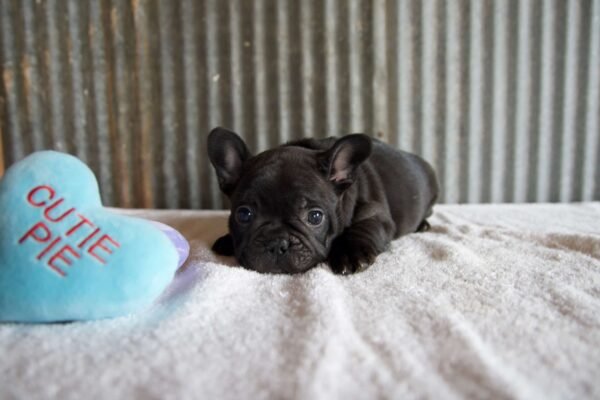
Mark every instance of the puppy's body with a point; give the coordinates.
(366, 192)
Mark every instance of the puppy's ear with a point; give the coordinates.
(342, 159)
(227, 152)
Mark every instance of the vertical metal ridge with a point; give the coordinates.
(13, 143)
(331, 69)
(283, 71)
(454, 100)
(476, 103)
(547, 102)
(429, 77)
(212, 77)
(391, 47)
(249, 118)
(534, 100)
(31, 70)
(523, 102)
(571, 93)
(272, 53)
(192, 127)
(394, 46)
(103, 116)
(133, 125)
(343, 69)
(21, 81)
(238, 42)
(145, 182)
(550, 110)
(55, 65)
(581, 110)
(591, 172)
(41, 34)
(169, 51)
(320, 105)
(514, 20)
(367, 10)
(80, 92)
(489, 65)
(203, 107)
(123, 102)
(106, 22)
(181, 84)
(465, 85)
(260, 83)
(307, 67)
(355, 56)
(380, 73)
(441, 83)
(224, 52)
(91, 134)
(558, 106)
(294, 27)
(408, 61)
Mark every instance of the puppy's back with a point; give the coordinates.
(410, 184)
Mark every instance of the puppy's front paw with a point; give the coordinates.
(350, 254)
(424, 227)
(224, 246)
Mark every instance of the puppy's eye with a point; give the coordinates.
(315, 217)
(244, 215)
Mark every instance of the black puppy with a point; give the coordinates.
(340, 201)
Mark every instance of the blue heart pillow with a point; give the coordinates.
(63, 256)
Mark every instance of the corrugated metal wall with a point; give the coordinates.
(502, 96)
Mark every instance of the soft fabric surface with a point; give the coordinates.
(495, 302)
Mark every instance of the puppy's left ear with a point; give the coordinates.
(342, 159)
(227, 152)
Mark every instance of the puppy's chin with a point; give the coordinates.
(288, 264)
(302, 251)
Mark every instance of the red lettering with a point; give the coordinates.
(47, 249)
(91, 235)
(60, 255)
(37, 189)
(83, 221)
(103, 247)
(33, 232)
(52, 207)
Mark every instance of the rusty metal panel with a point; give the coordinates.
(503, 96)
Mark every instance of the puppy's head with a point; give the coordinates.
(286, 202)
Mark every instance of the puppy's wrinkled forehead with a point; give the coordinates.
(283, 175)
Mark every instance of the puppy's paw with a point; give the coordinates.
(351, 254)
(424, 227)
(224, 246)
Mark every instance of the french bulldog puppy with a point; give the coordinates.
(336, 200)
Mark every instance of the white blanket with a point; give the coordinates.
(497, 301)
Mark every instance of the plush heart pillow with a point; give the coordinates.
(63, 256)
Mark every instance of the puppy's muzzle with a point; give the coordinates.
(278, 246)
(276, 250)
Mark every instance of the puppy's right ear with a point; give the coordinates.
(343, 158)
(227, 152)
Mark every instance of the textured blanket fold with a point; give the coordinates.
(496, 301)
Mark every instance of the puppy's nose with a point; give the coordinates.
(278, 246)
